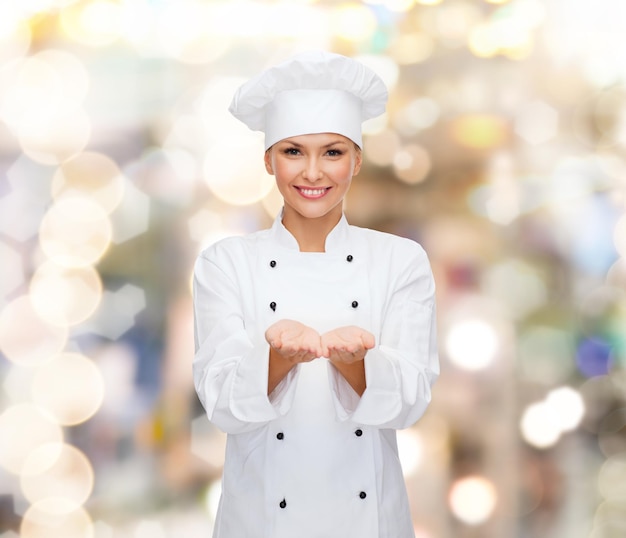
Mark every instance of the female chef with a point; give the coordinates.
(315, 340)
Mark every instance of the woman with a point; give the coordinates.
(315, 340)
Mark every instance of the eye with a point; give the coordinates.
(291, 151)
(334, 152)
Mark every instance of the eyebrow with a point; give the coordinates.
(296, 144)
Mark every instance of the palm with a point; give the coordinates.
(294, 341)
(347, 344)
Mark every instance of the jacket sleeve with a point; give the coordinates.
(402, 368)
(230, 369)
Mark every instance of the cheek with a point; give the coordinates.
(343, 172)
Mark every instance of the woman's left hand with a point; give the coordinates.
(347, 344)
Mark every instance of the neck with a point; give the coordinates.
(310, 233)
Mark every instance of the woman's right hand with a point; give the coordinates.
(293, 341)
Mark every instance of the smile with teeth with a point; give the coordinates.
(313, 193)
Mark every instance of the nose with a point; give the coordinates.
(312, 170)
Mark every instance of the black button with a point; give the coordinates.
(362, 495)
(349, 258)
(283, 503)
(355, 304)
(280, 436)
(273, 263)
(358, 432)
(273, 306)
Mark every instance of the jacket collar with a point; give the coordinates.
(336, 240)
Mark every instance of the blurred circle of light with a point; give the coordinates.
(479, 131)
(380, 148)
(273, 202)
(15, 34)
(26, 427)
(57, 471)
(384, 66)
(375, 125)
(183, 164)
(411, 48)
(202, 222)
(155, 175)
(412, 164)
(482, 41)
(25, 338)
(419, 114)
(540, 425)
(455, 21)
(472, 344)
(30, 88)
(545, 353)
(63, 296)
(70, 387)
(95, 23)
(536, 122)
(283, 19)
(619, 236)
(396, 5)
(428, 2)
(56, 136)
(73, 75)
(472, 499)
(90, 174)
(235, 172)
(353, 22)
(616, 275)
(184, 34)
(568, 406)
(612, 478)
(11, 272)
(75, 232)
(516, 284)
(594, 357)
(214, 121)
(54, 518)
(410, 450)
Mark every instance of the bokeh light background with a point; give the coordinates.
(503, 151)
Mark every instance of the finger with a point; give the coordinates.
(368, 341)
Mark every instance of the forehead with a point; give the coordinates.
(316, 139)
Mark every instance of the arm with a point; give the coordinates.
(291, 343)
(230, 370)
(402, 367)
(346, 348)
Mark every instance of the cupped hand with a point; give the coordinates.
(294, 341)
(347, 344)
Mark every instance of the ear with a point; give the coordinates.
(268, 162)
(358, 162)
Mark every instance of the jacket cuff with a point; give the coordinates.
(249, 400)
(382, 399)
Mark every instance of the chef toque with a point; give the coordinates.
(312, 92)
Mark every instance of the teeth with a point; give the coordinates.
(313, 192)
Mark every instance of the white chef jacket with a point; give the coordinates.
(313, 460)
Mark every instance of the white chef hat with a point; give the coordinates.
(312, 92)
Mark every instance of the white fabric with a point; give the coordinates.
(312, 92)
(320, 466)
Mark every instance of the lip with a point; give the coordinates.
(313, 193)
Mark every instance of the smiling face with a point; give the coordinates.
(313, 173)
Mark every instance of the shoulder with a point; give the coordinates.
(385, 244)
(233, 248)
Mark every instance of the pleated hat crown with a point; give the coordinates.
(312, 92)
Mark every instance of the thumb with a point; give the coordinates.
(368, 340)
